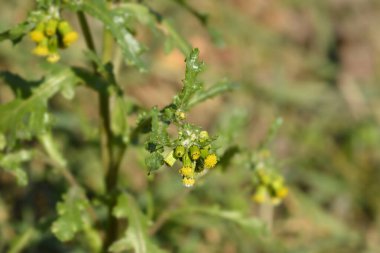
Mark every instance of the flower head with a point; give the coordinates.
(188, 181)
(210, 161)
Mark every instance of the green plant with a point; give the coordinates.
(110, 218)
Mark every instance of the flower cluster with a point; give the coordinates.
(194, 151)
(50, 35)
(270, 186)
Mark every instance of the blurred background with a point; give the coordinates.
(313, 63)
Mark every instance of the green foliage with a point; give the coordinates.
(26, 117)
(12, 162)
(72, 215)
(77, 151)
(136, 236)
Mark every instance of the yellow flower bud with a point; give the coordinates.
(179, 151)
(203, 136)
(195, 153)
(51, 27)
(210, 161)
(69, 38)
(41, 50)
(261, 195)
(188, 181)
(186, 171)
(53, 57)
(282, 192)
(36, 36)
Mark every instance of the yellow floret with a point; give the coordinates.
(282, 192)
(54, 57)
(41, 50)
(261, 195)
(69, 38)
(188, 181)
(36, 36)
(186, 171)
(210, 161)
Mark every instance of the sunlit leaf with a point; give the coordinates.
(113, 22)
(24, 118)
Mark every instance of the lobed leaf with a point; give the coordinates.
(11, 162)
(130, 47)
(191, 85)
(27, 116)
(136, 237)
(72, 215)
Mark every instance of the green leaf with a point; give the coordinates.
(72, 215)
(136, 237)
(25, 118)
(154, 161)
(252, 224)
(16, 33)
(139, 12)
(11, 162)
(174, 39)
(119, 117)
(130, 47)
(190, 85)
(215, 90)
(158, 137)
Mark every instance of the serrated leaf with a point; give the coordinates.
(72, 215)
(158, 137)
(154, 161)
(130, 47)
(190, 85)
(24, 118)
(136, 236)
(12, 163)
(216, 89)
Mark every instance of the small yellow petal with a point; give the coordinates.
(41, 51)
(69, 38)
(210, 161)
(186, 171)
(52, 58)
(36, 36)
(188, 181)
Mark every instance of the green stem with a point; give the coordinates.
(86, 31)
(23, 241)
(112, 150)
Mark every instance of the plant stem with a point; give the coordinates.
(112, 149)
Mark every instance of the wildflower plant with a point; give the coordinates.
(27, 123)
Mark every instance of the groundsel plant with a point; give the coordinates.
(26, 123)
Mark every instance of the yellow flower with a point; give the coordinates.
(195, 152)
(36, 36)
(210, 161)
(261, 195)
(54, 57)
(51, 27)
(41, 50)
(186, 171)
(69, 38)
(282, 192)
(188, 181)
